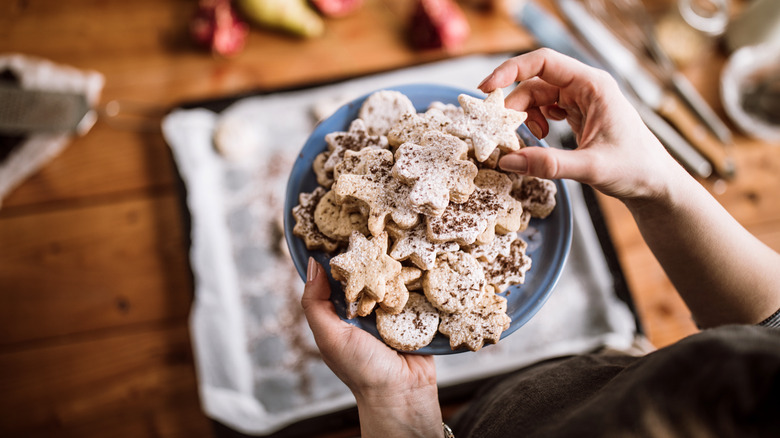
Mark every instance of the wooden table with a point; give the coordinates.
(95, 285)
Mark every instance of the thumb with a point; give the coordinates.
(549, 163)
(317, 308)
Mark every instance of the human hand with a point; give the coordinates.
(396, 393)
(616, 153)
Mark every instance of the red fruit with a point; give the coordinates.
(336, 8)
(217, 26)
(438, 24)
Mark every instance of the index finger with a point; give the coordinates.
(552, 67)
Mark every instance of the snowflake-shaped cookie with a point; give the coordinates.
(355, 139)
(305, 227)
(455, 283)
(370, 181)
(537, 195)
(479, 325)
(488, 124)
(437, 170)
(413, 244)
(365, 267)
(510, 269)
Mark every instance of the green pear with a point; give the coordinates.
(293, 16)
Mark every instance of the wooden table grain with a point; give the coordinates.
(95, 284)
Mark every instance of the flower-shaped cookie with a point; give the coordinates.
(305, 227)
(356, 139)
(506, 270)
(414, 244)
(488, 124)
(370, 181)
(365, 267)
(455, 283)
(382, 109)
(437, 170)
(478, 325)
(412, 126)
(413, 328)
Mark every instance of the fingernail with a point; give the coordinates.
(514, 163)
(311, 270)
(536, 130)
(484, 81)
(558, 113)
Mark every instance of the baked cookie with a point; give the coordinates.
(324, 178)
(488, 124)
(537, 195)
(338, 221)
(479, 325)
(463, 223)
(506, 270)
(455, 283)
(305, 226)
(396, 293)
(437, 170)
(381, 110)
(355, 139)
(414, 245)
(488, 252)
(411, 329)
(509, 219)
(453, 112)
(411, 127)
(371, 182)
(365, 267)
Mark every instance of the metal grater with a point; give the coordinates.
(25, 111)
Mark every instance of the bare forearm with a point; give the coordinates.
(724, 274)
(415, 414)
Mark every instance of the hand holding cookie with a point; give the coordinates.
(613, 155)
(385, 382)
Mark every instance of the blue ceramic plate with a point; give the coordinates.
(548, 239)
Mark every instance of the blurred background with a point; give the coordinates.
(96, 283)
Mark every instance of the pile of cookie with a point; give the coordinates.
(422, 224)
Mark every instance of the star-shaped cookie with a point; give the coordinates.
(488, 124)
(370, 181)
(365, 267)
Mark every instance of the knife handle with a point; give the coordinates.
(679, 115)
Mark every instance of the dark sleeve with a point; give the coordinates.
(773, 321)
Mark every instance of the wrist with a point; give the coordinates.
(411, 413)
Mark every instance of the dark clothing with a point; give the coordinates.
(721, 382)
